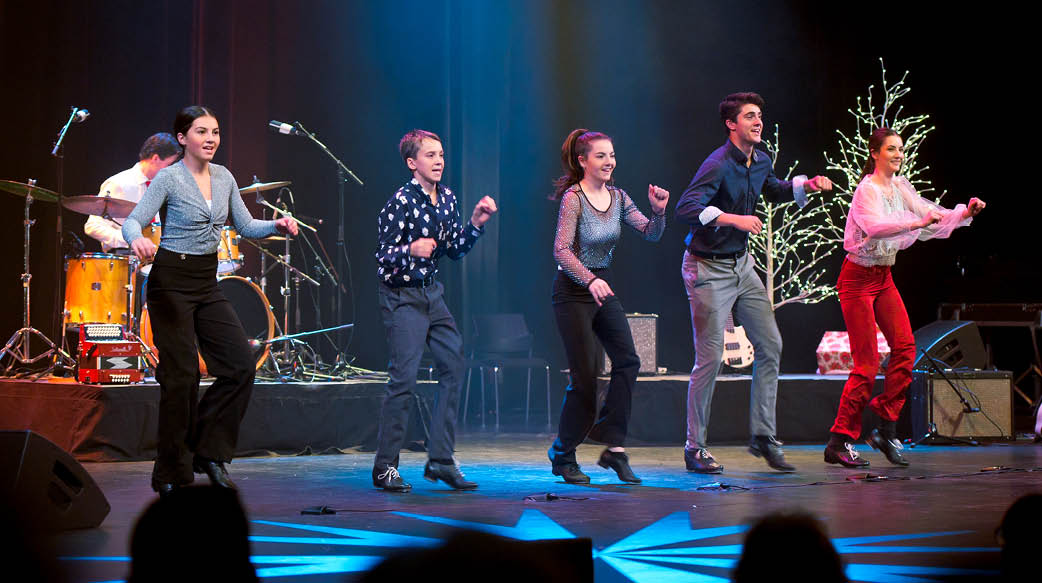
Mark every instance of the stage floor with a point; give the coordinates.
(934, 520)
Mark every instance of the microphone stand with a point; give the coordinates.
(932, 435)
(61, 355)
(342, 172)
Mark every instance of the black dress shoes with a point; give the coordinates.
(164, 489)
(571, 473)
(620, 462)
(769, 448)
(448, 473)
(215, 471)
(847, 457)
(891, 448)
(389, 479)
(701, 461)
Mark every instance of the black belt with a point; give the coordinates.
(735, 255)
(425, 282)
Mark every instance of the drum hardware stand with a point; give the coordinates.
(18, 345)
(324, 269)
(288, 355)
(342, 173)
(293, 338)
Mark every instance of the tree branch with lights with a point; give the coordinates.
(875, 111)
(793, 243)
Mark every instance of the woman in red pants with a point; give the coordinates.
(886, 215)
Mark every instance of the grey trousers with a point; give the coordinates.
(412, 318)
(714, 289)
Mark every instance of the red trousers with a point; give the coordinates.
(868, 297)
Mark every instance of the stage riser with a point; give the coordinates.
(806, 408)
(120, 423)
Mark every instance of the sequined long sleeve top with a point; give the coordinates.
(586, 237)
(884, 220)
(410, 215)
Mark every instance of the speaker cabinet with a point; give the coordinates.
(991, 391)
(47, 485)
(957, 343)
(644, 328)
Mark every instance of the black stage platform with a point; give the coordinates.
(932, 521)
(118, 423)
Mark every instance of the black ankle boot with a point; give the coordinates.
(214, 470)
(890, 446)
(620, 462)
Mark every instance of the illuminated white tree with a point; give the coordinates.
(881, 111)
(790, 250)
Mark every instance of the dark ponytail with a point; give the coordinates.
(576, 144)
(875, 143)
(185, 118)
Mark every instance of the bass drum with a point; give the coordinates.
(250, 306)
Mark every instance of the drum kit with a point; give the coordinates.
(104, 291)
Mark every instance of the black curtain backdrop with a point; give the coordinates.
(503, 83)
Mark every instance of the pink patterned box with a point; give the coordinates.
(834, 353)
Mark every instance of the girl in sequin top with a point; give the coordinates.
(886, 215)
(586, 309)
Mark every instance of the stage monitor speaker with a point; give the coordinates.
(957, 343)
(644, 328)
(991, 391)
(47, 484)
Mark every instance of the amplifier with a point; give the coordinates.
(931, 397)
(644, 328)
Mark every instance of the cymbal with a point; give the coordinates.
(272, 239)
(262, 186)
(21, 189)
(88, 204)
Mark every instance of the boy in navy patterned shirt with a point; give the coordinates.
(417, 226)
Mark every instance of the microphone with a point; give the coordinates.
(284, 128)
(75, 242)
(80, 116)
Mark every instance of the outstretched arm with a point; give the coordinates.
(945, 220)
(651, 229)
(465, 235)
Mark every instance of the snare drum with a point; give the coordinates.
(154, 233)
(228, 257)
(99, 289)
(250, 305)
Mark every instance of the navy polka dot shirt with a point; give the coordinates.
(410, 215)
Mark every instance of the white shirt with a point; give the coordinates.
(882, 221)
(128, 185)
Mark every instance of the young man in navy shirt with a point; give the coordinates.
(419, 225)
(720, 207)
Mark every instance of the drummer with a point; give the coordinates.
(158, 152)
